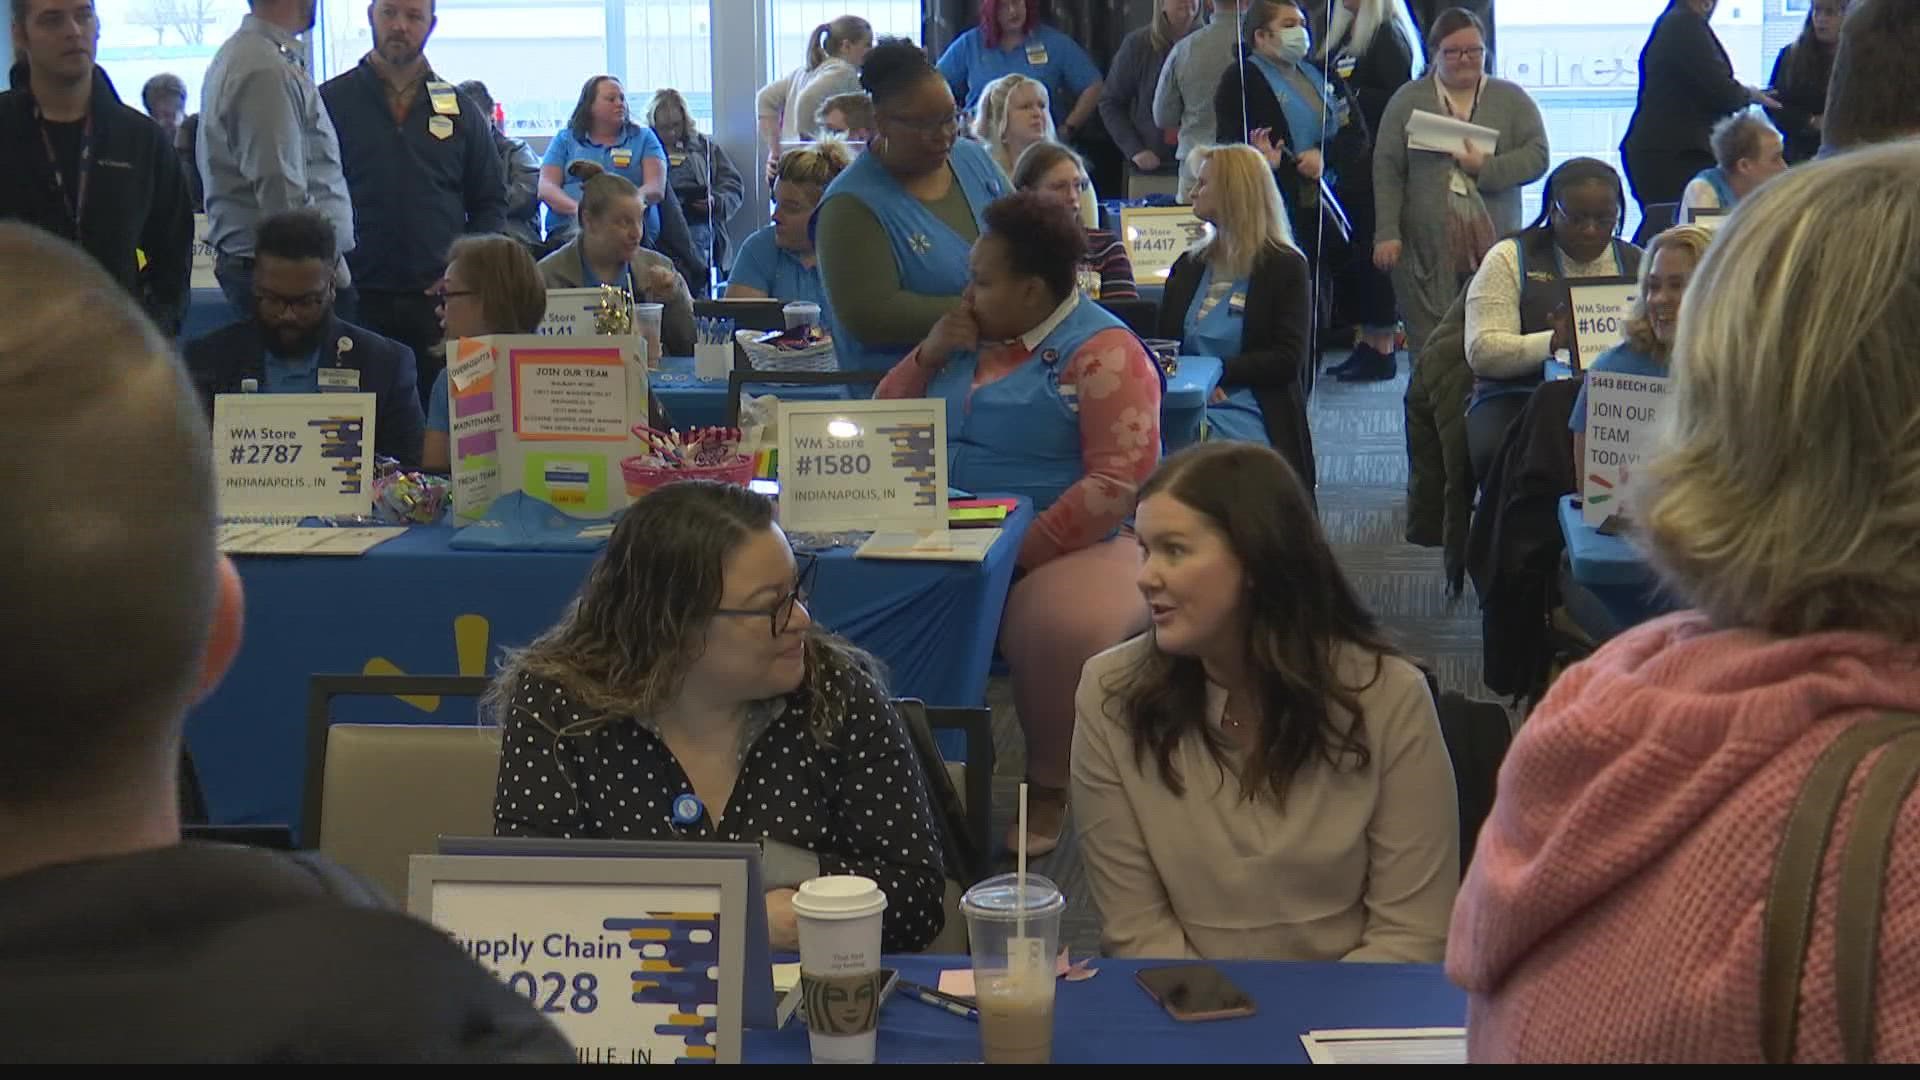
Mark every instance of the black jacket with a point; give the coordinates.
(1273, 345)
(221, 359)
(1385, 67)
(1686, 86)
(136, 196)
(413, 193)
(208, 953)
(1800, 86)
(1245, 102)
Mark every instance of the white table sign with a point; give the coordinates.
(1710, 220)
(863, 465)
(636, 961)
(1600, 310)
(1156, 235)
(1621, 411)
(293, 455)
(202, 256)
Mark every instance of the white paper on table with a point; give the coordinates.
(946, 545)
(1445, 135)
(1387, 1046)
(249, 539)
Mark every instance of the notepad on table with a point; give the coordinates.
(239, 538)
(978, 513)
(1387, 1046)
(1445, 135)
(944, 545)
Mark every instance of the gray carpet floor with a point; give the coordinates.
(1361, 450)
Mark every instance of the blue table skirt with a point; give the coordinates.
(415, 605)
(1613, 570)
(207, 311)
(1108, 1018)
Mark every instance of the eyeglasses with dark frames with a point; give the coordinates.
(780, 615)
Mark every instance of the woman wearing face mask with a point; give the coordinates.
(1261, 776)
(1051, 397)
(1686, 86)
(1519, 310)
(607, 251)
(1126, 101)
(1748, 152)
(602, 133)
(1437, 214)
(787, 106)
(1241, 295)
(778, 260)
(1011, 40)
(1665, 271)
(701, 175)
(491, 287)
(1058, 174)
(688, 694)
(1799, 82)
(893, 231)
(1370, 44)
(1300, 118)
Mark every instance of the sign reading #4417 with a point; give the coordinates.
(293, 455)
(1156, 235)
(850, 466)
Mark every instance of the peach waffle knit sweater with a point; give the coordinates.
(1613, 911)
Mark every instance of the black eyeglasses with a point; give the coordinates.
(780, 615)
(1605, 222)
(924, 126)
(305, 304)
(1472, 52)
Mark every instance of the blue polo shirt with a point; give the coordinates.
(765, 265)
(1047, 55)
(300, 375)
(438, 406)
(624, 157)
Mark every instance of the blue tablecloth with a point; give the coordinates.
(1612, 570)
(1110, 1019)
(698, 402)
(415, 605)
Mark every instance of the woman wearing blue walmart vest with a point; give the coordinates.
(778, 261)
(1241, 295)
(1518, 307)
(1011, 40)
(601, 131)
(1665, 271)
(1747, 152)
(894, 230)
(1051, 397)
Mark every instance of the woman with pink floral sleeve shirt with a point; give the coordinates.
(1050, 397)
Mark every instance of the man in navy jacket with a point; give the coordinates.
(294, 344)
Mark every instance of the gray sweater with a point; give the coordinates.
(1184, 96)
(1126, 105)
(1408, 184)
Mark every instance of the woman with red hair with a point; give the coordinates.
(1011, 40)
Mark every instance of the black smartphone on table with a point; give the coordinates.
(1195, 992)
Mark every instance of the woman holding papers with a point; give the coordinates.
(1241, 295)
(1634, 894)
(1664, 273)
(1051, 397)
(490, 287)
(1261, 776)
(894, 229)
(687, 694)
(1519, 309)
(1441, 196)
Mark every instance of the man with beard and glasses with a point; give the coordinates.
(265, 145)
(295, 344)
(422, 170)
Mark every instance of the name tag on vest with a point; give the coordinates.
(443, 99)
(1036, 54)
(335, 378)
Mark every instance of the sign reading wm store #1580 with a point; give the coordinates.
(850, 466)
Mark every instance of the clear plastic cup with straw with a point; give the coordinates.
(1014, 923)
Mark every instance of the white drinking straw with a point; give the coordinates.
(1020, 883)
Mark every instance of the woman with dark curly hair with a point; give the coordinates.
(1261, 776)
(1048, 396)
(688, 695)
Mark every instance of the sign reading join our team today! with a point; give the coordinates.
(1621, 414)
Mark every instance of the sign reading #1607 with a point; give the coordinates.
(849, 466)
(1600, 311)
(293, 455)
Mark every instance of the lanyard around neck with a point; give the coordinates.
(1446, 98)
(74, 202)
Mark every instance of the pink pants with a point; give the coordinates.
(1057, 618)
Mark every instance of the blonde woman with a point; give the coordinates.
(1013, 116)
(778, 260)
(1241, 295)
(1665, 271)
(1614, 906)
(701, 175)
(787, 106)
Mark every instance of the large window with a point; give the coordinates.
(143, 38)
(790, 23)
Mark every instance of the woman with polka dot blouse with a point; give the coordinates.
(689, 665)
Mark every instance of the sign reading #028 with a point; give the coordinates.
(848, 466)
(636, 961)
(293, 455)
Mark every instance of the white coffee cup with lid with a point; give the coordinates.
(839, 918)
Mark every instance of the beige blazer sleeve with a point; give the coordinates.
(1413, 838)
(1135, 915)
